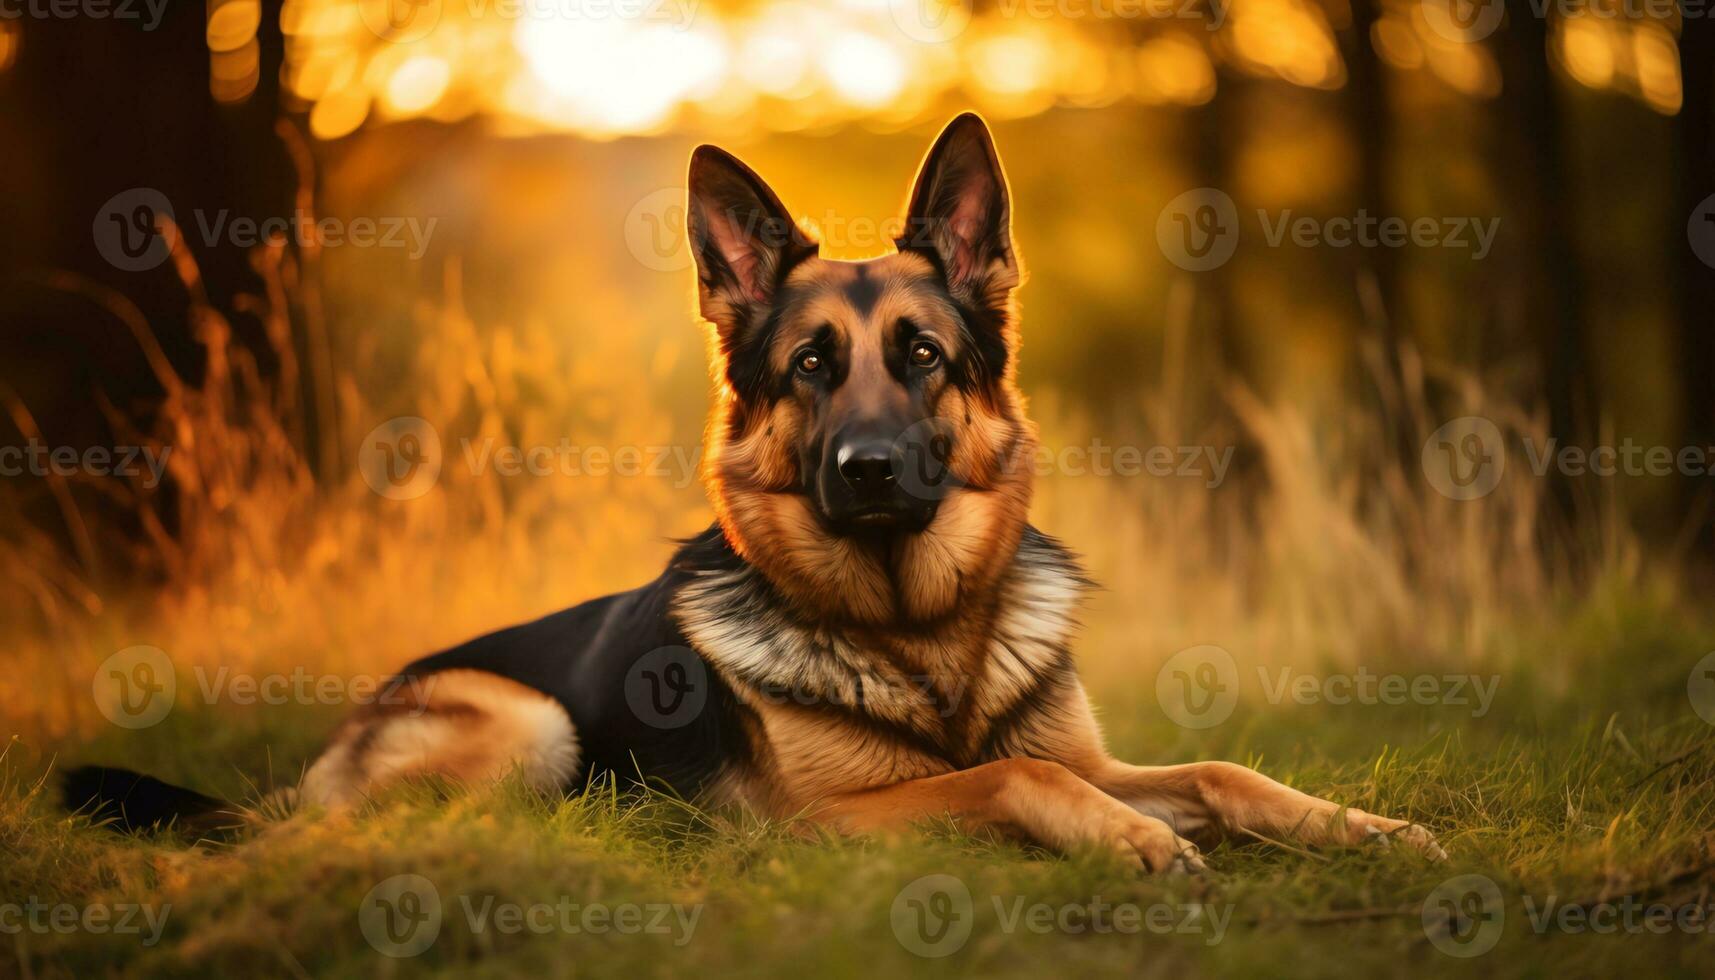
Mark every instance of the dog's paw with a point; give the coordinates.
(1382, 831)
(1153, 845)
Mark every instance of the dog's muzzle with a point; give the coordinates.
(876, 480)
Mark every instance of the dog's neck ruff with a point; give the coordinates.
(922, 682)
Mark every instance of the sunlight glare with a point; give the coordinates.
(417, 84)
(864, 70)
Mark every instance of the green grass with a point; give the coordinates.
(1589, 780)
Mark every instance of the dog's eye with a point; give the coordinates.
(809, 362)
(924, 354)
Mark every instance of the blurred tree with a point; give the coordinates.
(1696, 279)
(1379, 297)
(1542, 195)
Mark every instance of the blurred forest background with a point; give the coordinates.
(546, 143)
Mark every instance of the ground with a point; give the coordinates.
(1582, 791)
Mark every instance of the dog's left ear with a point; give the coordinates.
(961, 212)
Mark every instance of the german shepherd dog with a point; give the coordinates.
(871, 633)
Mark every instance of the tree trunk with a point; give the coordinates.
(1696, 320)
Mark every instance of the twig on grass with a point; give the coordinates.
(1676, 760)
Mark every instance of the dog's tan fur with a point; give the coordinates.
(467, 725)
(753, 478)
(925, 606)
(954, 637)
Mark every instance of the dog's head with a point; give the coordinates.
(865, 447)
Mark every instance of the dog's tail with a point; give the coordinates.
(130, 801)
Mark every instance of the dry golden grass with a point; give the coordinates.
(1317, 552)
(272, 552)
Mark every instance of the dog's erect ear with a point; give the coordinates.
(960, 210)
(742, 236)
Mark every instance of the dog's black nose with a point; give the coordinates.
(867, 467)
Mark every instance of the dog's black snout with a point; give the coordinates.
(867, 467)
(864, 481)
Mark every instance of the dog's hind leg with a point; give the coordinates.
(468, 725)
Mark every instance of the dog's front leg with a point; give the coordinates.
(1233, 800)
(1200, 798)
(1043, 801)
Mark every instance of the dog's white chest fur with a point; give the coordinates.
(917, 680)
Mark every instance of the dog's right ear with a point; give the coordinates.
(743, 238)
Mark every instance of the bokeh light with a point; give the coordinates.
(8, 44)
(609, 70)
